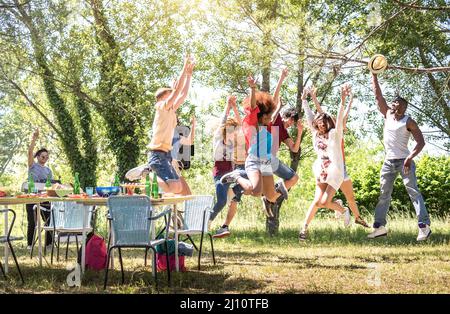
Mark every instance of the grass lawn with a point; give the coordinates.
(333, 260)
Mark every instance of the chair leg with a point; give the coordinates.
(108, 258)
(76, 241)
(121, 265)
(167, 262)
(33, 243)
(15, 261)
(200, 251)
(145, 257)
(154, 263)
(53, 246)
(3, 271)
(67, 245)
(57, 247)
(192, 241)
(212, 248)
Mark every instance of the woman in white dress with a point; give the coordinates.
(329, 166)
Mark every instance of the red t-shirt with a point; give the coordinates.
(222, 167)
(282, 131)
(250, 123)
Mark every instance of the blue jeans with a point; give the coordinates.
(283, 171)
(161, 163)
(389, 171)
(222, 192)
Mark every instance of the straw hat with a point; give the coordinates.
(377, 64)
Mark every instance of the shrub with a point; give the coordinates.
(433, 177)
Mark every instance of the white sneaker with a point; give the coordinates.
(378, 232)
(29, 247)
(347, 218)
(424, 233)
(337, 214)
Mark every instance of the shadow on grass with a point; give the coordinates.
(338, 237)
(138, 279)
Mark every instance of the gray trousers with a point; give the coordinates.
(389, 171)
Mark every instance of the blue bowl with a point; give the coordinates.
(106, 191)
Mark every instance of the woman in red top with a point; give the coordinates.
(260, 163)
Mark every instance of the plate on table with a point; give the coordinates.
(76, 195)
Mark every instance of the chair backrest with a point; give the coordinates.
(197, 212)
(69, 215)
(130, 219)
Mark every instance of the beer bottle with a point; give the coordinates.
(155, 189)
(76, 184)
(30, 184)
(48, 183)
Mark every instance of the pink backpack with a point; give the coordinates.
(96, 253)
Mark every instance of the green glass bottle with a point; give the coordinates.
(48, 183)
(30, 183)
(155, 188)
(76, 184)
(147, 185)
(116, 180)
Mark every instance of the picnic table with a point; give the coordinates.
(88, 201)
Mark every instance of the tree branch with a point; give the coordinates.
(418, 7)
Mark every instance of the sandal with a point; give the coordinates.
(360, 221)
(303, 235)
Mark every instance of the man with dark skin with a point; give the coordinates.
(398, 128)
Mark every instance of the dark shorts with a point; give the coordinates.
(161, 163)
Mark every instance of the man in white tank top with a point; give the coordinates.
(397, 130)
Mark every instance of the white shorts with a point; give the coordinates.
(263, 165)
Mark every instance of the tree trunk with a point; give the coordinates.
(118, 94)
(68, 134)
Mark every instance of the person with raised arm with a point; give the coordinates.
(259, 164)
(168, 100)
(398, 127)
(329, 166)
(226, 152)
(346, 186)
(40, 173)
(282, 120)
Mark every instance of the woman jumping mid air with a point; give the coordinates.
(346, 186)
(329, 166)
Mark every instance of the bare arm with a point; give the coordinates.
(177, 85)
(412, 127)
(277, 111)
(308, 112)
(236, 111)
(313, 93)
(347, 111)
(294, 147)
(345, 91)
(381, 102)
(187, 84)
(252, 83)
(276, 94)
(31, 148)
